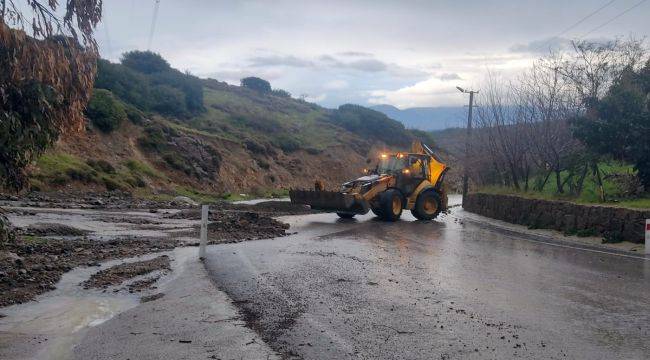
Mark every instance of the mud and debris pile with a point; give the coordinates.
(88, 200)
(31, 266)
(267, 208)
(120, 273)
(51, 230)
(226, 227)
(33, 260)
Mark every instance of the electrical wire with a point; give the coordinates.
(614, 18)
(585, 18)
(153, 23)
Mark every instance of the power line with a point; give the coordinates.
(153, 23)
(614, 18)
(107, 33)
(585, 18)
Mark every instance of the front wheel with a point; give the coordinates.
(391, 204)
(427, 206)
(344, 215)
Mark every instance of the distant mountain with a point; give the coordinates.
(426, 118)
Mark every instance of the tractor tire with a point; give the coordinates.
(344, 215)
(427, 206)
(391, 204)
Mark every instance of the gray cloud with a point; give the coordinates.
(275, 60)
(355, 54)
(449, 76)
(542, 46)
(370, 65)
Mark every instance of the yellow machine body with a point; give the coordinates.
(404, 180)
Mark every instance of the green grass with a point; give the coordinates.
(139, 168)
(197, 195)
(31, 239)
(237, 117)
(590, 193)
(57, 169)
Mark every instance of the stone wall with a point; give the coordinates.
(607, 221)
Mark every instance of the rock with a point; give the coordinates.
(184, 200)
(11, 257)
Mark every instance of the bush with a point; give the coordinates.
(146, 62)
(105, 112)
(287, 143)
(281, 93)
(257, 84)
(263, 164)
(111, 184)
(134, 115)
(254, 147)
(168, 100)
(138, 81)
(101, 165)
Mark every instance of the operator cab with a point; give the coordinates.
(409, 169)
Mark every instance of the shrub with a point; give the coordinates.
(134, 115)
(257, 84)
(146, 62)
(105, 112)
(168, 100)
(101, 165)
(263, 164)
(254, 147)
(138, 79)
(111, 184)
(287, 143)
(281, 93)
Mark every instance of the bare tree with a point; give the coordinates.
(593, 66)
(499, 137)
(546, 104)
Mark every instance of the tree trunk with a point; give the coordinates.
(558, 181)
(599, 181)
(581, 180)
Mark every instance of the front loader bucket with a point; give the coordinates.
(329, 201)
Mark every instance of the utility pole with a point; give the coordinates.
(467, 140)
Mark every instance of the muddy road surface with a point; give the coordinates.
(455, 288)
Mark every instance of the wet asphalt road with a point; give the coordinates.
(447, 289)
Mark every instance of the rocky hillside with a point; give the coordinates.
(153, 130)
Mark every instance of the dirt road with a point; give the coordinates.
(448, 289)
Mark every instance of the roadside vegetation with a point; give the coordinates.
(575, 127)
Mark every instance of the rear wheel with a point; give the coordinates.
(390, 205)
(427, 206)
(344, 215)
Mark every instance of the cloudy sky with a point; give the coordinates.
(403, 53)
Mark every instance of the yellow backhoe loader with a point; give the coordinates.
(404, 180)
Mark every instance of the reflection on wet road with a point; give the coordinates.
(429, 290)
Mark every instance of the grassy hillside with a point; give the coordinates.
(148, 134)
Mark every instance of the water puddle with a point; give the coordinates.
(104, 224)
(50, 326)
